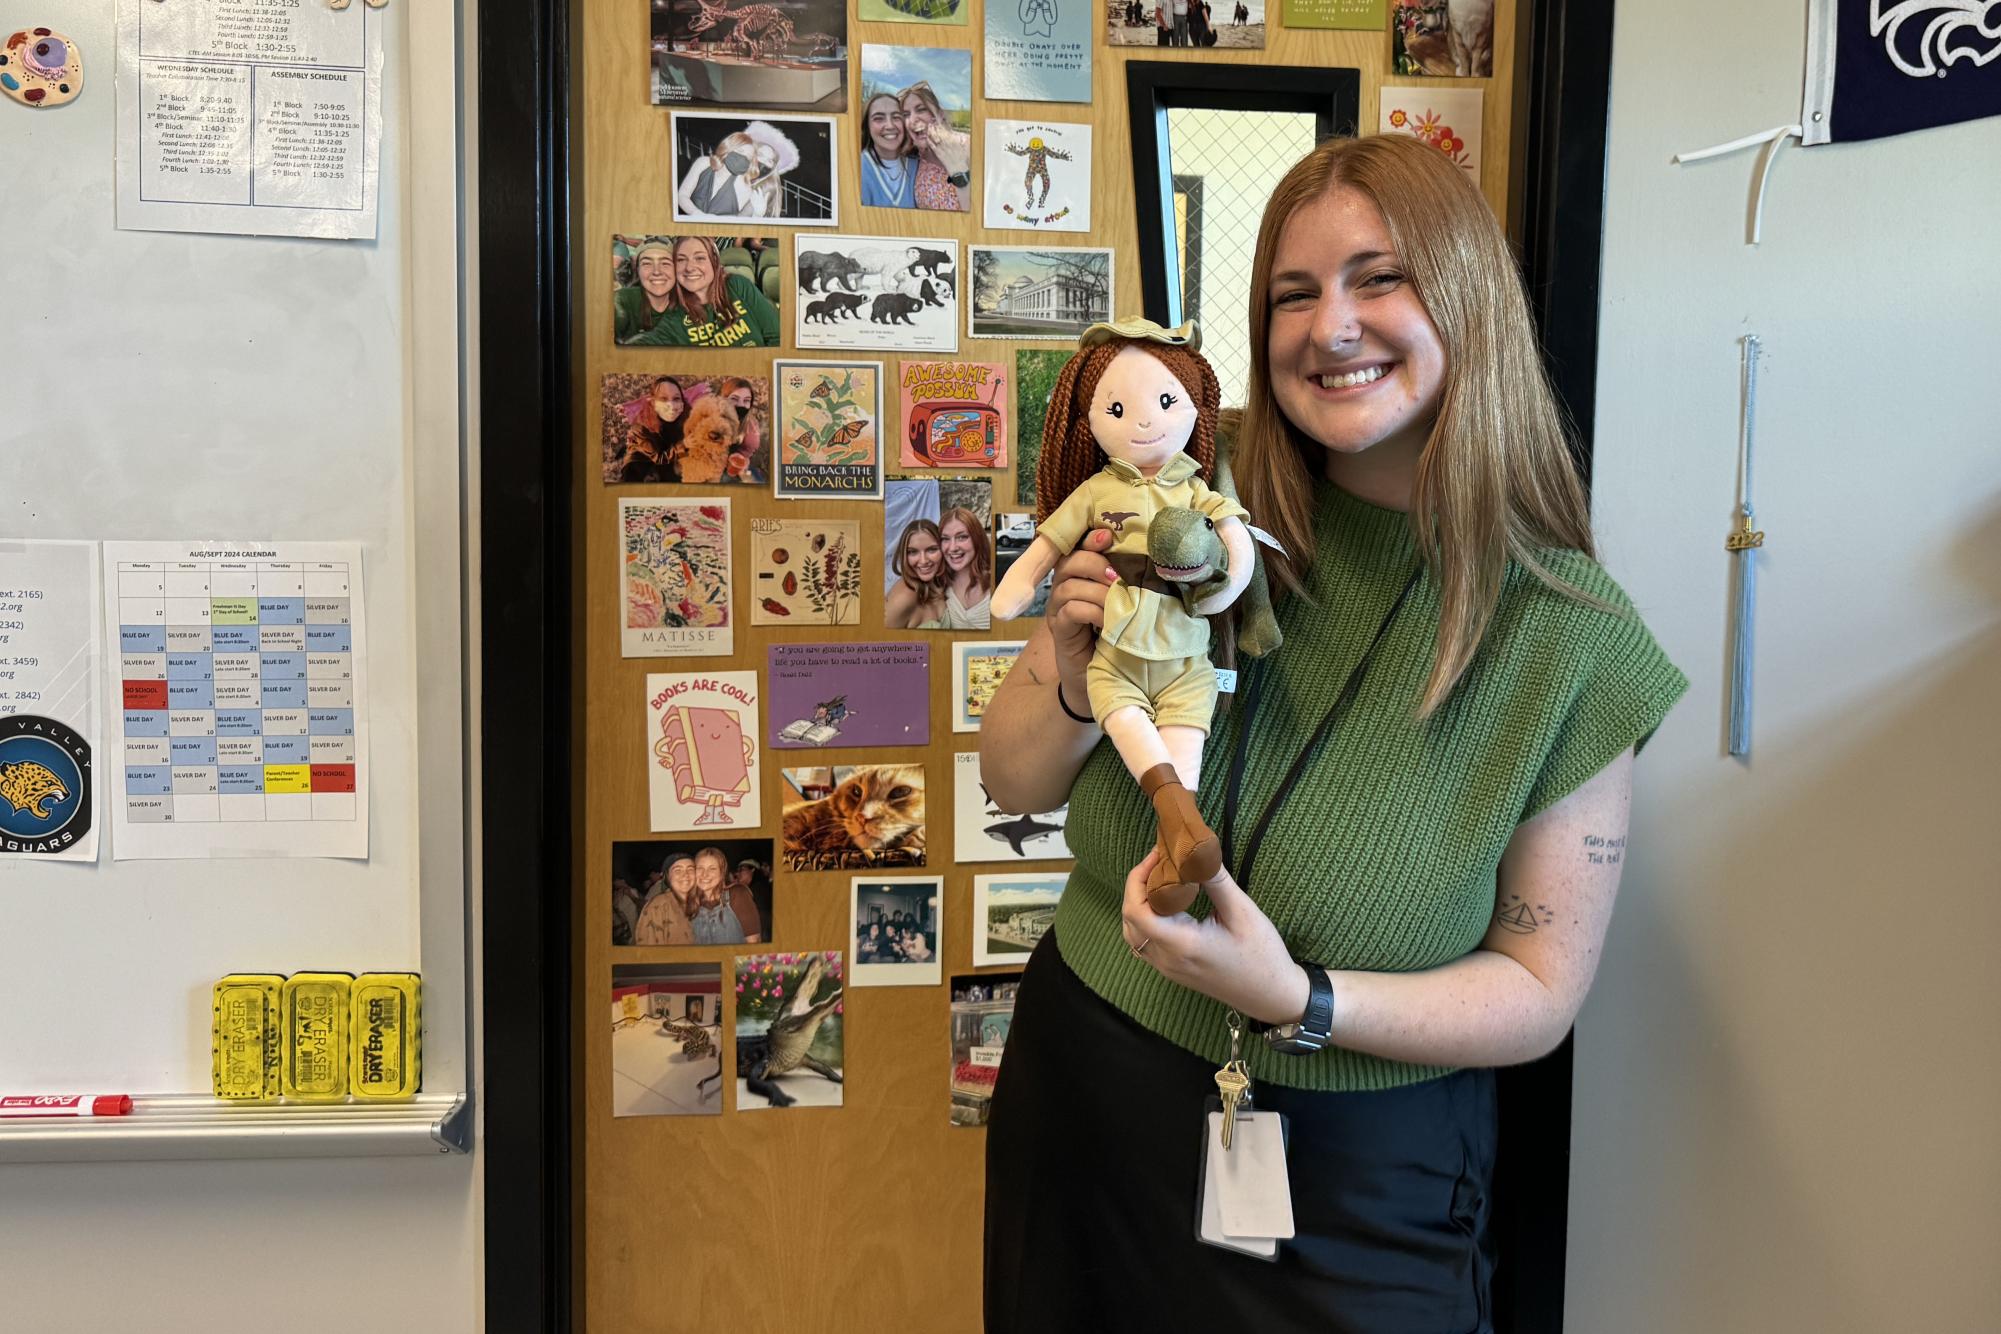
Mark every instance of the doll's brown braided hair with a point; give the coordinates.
(1070, 453)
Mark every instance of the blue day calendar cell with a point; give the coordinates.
(149, 780)
(281, 611)
(145, 722)
(238, 722)
(283, 695)
(330, 639)
(283, 667)
(235, 638)
(186, 694)
(142, 638)
(189, 667)
(193, 750)
(288, 750)
(332, 722)
(240, 780)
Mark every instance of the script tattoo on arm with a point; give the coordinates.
(1604, 851)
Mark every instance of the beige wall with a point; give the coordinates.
(1787, 1076)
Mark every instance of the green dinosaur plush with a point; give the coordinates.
(1257, 625)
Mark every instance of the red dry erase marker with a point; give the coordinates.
(65, 1104)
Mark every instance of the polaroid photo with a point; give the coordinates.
(829, 425)
(1036, 291)
(896, 926)
(954, 414)
(696, 291)
(733, 169)
(916, 128)
(940, 570)
(805, 572)
(666, 1039)
(978, 667)
(1038, 175)
(691, 891)
(789, 1030)
(982, 1010)
(853, 817)
(714, 53)
(829, 695)
(674, 578)
(983, 832)
(1012, 913)
(877, 293)
(703, 765)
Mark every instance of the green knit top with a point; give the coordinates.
(1384, 857)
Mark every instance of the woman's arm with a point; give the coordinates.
(1030, 749)
(684, 198)
(1509, 1000)
(900, 606)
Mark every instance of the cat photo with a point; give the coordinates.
(853, 817)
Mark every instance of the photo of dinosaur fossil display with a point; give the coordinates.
(786, 56)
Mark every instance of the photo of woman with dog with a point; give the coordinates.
(688, 429)
(694, 291)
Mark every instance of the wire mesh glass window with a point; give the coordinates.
(1224, 165)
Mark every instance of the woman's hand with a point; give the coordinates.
(1076, 610)
(953, 149)
(1235, 955)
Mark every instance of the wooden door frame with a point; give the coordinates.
(523, 66)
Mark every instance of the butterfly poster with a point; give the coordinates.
(829, 426)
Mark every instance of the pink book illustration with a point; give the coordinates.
(710, 757)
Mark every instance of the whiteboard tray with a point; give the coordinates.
(193, 1126)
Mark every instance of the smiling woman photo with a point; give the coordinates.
(916, 601)
(969, 570)
(681, 297)
(889, 163)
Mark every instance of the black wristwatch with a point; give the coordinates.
(1314, 1030)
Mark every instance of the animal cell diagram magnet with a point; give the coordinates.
(41, 68)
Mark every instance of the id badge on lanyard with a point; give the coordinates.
(1244, 1195)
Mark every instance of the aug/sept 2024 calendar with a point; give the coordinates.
(240, 703)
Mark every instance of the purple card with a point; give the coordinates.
(827, 695)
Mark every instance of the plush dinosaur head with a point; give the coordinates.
(1186, 550)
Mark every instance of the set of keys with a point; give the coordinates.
(1233, 1081)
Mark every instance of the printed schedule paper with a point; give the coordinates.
(254, 117)
(49, 720)
(242, 726)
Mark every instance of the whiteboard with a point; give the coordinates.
(168, 385)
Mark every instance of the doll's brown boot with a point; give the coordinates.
(1190, 853)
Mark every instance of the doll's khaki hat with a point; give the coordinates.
(1137, 326)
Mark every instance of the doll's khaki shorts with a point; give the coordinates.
(1174, 692)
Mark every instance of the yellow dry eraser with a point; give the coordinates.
(386, 1037)
(315, 1037)
(245, 1036)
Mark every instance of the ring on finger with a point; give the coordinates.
(1139, 951)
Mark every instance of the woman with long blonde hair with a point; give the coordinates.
(1422, 798)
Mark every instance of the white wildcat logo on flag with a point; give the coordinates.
(1913, 31)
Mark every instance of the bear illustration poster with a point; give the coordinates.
(877, 292)
(702, 754)
(1038, 176)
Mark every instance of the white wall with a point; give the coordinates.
(1788, 1090)
(187, 1248)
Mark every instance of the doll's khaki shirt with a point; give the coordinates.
(1121, 498)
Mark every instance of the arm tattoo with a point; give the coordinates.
(1031, 673)
(1518, 915)
(1604, 851)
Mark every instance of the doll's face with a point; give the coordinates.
(1141, 413)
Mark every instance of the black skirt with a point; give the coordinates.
(1093, 1156)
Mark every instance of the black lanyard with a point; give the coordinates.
(1349, 689)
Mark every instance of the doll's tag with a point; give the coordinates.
(1226, 680)
(1265, 537)
(1254, 1196)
